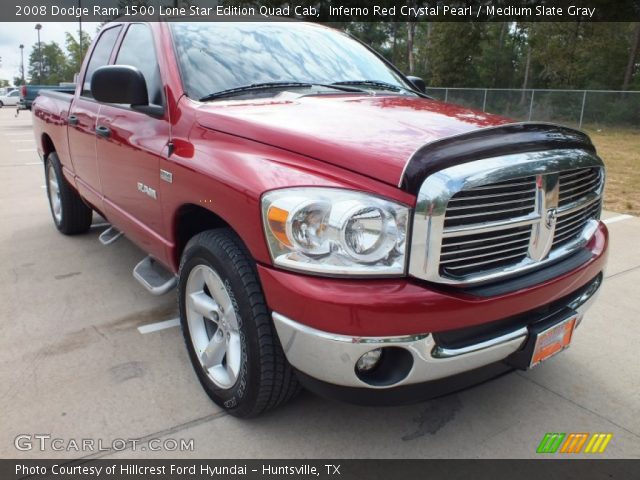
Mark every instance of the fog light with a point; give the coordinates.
(369, 360)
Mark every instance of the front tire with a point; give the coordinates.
(71, 215)
(231, 340)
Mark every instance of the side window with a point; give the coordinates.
(100, 56)
(138, 51)
(15, 93)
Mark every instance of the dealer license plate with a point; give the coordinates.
(553, 340)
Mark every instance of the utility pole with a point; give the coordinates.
(80, 32)
(22, 64)
(38, 28)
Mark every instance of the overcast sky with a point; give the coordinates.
(13, 34)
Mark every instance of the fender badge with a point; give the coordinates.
(166, 176)
(147, 190)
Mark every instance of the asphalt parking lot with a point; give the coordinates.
(75, 365)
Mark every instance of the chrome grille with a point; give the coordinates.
(570, 226)
(483, 220)
(463, 255)
(576, 184)
(490, 203)
(581, 186)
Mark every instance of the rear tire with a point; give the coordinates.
(71, 215)
(232, 343)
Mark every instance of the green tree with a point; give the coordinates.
(578, 55)
(4, 82)
(454, 52)
(604, 52)
(75, 55)
(634, 49)
(48, 65)
(501, 47)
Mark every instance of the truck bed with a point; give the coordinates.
(53, 108)
(28, 94)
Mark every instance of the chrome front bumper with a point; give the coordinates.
(331, 358)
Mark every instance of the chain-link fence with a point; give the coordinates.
(594, 108)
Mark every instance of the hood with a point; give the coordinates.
(370, 135)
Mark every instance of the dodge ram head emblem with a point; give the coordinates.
(551, 217)
(543, 231)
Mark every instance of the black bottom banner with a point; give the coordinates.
(326, 469)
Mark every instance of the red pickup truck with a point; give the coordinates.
(325, 222)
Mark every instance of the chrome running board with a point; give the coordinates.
(109, 236)
(154, 277)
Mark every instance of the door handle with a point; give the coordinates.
(73, 120)
(103, 131)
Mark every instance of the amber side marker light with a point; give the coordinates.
(277, 220)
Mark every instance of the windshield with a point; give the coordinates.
(219, 56)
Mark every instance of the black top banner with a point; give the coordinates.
(321, 10)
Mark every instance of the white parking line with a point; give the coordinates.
(17, 134)
(154, 327)
(27, 150)
(33, 163)
(22, 140)
(617, 218)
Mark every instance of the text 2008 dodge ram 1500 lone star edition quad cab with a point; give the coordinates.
(325, 222)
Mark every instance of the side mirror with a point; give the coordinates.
(418, 83)
(119, 84)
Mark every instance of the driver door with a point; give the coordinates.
(130, 145)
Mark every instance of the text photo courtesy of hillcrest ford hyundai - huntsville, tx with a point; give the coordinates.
(357, 267)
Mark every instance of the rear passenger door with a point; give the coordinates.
(83, 116)
(132, 145)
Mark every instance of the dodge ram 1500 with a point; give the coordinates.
(325, 222)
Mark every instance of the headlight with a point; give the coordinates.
(335, 232)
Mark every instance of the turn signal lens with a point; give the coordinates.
(277, 218)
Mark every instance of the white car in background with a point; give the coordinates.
(10, 99)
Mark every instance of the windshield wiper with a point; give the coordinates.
(375, 83)
(272, 85)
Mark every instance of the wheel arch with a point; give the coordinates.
(189, 220)
(47, 145)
